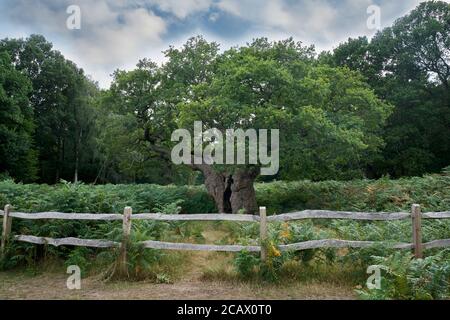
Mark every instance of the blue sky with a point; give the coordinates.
(117, 33)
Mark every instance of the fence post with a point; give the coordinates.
(416, 216)
(7, 223)
(126, 225)
(263, 232)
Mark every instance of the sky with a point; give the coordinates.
(115, 34)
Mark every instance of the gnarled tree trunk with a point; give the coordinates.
(243, 196)
(216, 185)
(231, 193)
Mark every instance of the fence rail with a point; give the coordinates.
(301, 215)
(142, 216)
(415, 215)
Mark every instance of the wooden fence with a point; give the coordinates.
(127, 217)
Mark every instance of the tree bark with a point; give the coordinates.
(60, 161)
(77, 155)
(243, 196)
(216, 185)
(231, 193)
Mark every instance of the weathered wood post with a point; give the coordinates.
(416, 216)
(126, 225)
(7, 223)
(263, 232)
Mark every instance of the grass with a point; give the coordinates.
(204, 275)
(16, 285)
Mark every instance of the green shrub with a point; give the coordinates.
(407, 278)
(432, 192)
(81, 257)
(139, 259)
(246, 264)
(17, 254)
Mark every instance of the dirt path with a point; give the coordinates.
(53, 286)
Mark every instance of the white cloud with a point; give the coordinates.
(117, 33)
(182, 9)
(321, 22)
(111, 43)
(113, 34)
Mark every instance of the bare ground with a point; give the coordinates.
(53, 286)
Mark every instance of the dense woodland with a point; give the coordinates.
(368, 109)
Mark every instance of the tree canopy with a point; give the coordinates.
(17, 155)
(408, 65)
(329, 119)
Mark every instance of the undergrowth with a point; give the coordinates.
(408, 278)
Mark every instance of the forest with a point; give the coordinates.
(370, 108)
(365, 126)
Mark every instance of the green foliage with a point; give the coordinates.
(17, 156)
(330, 121)
(246, 264)
(69, 197)
(139, 260)
(81, 256)
(384, 195)
(407, 278)
(61, 110)
(367, 109)
(301, 232)
(142, 263)
(432, 192)
(271, 268)
(17, 254)
(249, 266)
(276, 85)
(407, 64)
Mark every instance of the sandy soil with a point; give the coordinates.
(53, 286)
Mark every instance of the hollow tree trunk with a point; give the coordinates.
(243, 196)
(231, 193)
(216, 185)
